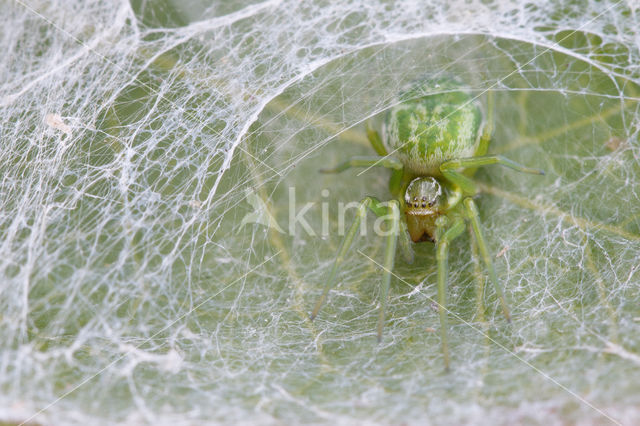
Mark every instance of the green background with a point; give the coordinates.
(133, 291)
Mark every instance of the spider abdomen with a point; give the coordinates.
(434, 121)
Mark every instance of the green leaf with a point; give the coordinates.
(151, 268)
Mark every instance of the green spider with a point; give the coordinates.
(438, 136)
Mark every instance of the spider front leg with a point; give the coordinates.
(474, 218)
(375, 140)
(443, 238)
(450, 169)
(395, 182)
(391, 211)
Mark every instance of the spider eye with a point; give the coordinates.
(422, 192)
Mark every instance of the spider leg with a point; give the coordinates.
(450, 168)
(375, 140)
(391, 211)
(442, 256)
(389, 258)
(405, 242)
(344, 247)
(486, 160)
(477, 270)
(483, 146)
(368, 161)
(485, 137)
(474, 217)
(395, 182)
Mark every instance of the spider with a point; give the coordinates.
(438, 137)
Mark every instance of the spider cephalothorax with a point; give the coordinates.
(437, 135)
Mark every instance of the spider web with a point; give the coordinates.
(137, 137)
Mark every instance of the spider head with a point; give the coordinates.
(423, 202)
